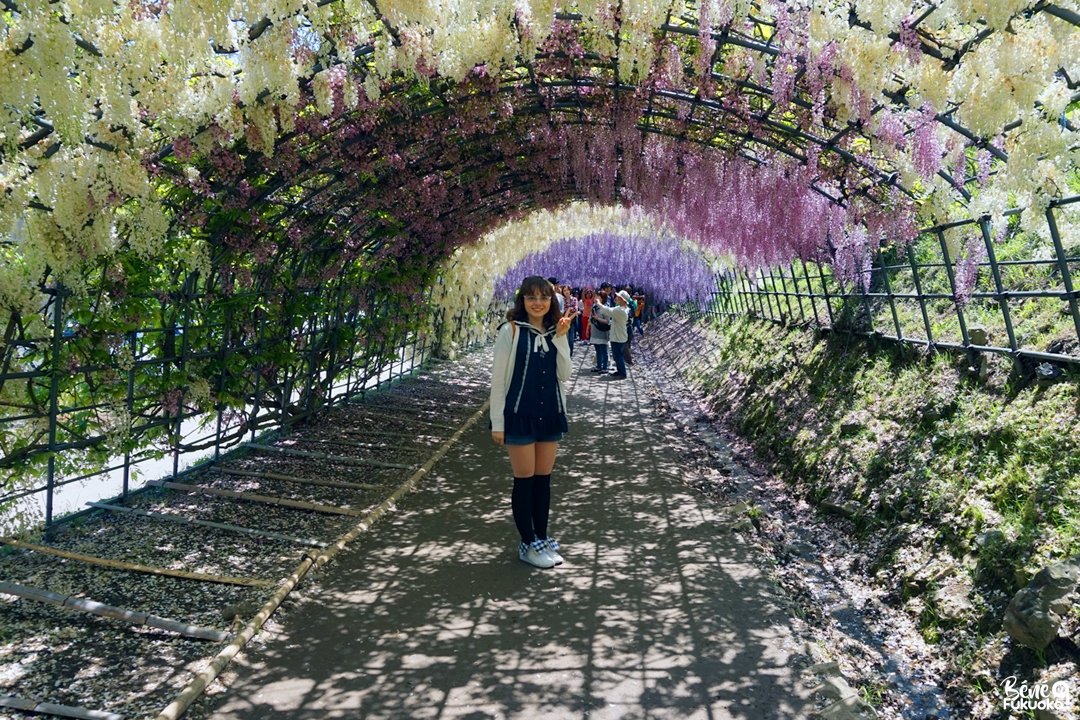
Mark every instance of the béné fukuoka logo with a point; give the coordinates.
(1030, 697)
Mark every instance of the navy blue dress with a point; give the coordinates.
(533, 404)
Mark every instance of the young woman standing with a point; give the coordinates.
(528, 409)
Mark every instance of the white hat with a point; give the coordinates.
(624, 295)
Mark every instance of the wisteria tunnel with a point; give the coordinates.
(253, 255)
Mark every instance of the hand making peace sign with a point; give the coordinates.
(564, 323)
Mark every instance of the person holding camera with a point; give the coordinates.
(618, 318)
(600, 327)
(528, 409)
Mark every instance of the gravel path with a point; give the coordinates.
(659, 611)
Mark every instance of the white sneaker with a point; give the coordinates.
(551, 547)
(535, 554)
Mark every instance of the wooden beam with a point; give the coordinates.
(429, 423)
(302, 481)
(373, 446)
(120, 565)
(109, 611)
(386, 433)
(47, 708)
(324, 456)
(206, 523)
(298, 504)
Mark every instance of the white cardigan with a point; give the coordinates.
(502, 371)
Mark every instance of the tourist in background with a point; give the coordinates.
(639, 313)
(558, 293)
(619, 318)
(588, 297)
(632, 305)
(599, 328)
(571, 309)
(576, 326)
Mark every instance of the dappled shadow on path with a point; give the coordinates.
(658, 611)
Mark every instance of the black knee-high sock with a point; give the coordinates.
(541, 504)
(521, 505)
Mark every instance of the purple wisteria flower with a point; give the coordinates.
(967, 268)
(666, 269)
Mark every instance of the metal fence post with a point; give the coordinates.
(828, 299)
(798, 295)
(1063, 266)
(922, 300)
(226, 337)
(185, 339)
(129, 405)
(956, 301)
(54, 402)
(1000, 292)
(257, 390)
(892, 299)
(813, 303)
(864, 289)
(787, 296)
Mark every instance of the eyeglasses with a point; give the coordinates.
(537, 298)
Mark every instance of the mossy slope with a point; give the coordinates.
(929, 459)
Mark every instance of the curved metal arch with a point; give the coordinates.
(783, 137)
(723, 36)
(335, 175)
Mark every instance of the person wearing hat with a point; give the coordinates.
(619, 317)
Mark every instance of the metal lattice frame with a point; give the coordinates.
(331, 364)
(815, 298)
(323, 192)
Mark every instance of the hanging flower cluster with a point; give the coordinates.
(465, 293)
(216, 136)
(90, 91)
(669, 270)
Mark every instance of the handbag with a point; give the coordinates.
(601, 325)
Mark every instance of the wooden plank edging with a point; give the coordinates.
(121, 565)
(387, 433)
(420, 421)
(300, 480)
(298, 504)
(329, 458)
(47, 708)
(95, 608)
(195, 688)
(207, 523)
(365, 445)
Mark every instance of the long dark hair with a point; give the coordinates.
(535, 285)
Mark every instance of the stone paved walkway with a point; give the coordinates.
(658, 612)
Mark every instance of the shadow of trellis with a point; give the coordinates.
(658, 611)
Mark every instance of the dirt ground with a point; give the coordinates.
(660, 611)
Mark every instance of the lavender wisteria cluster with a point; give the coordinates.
(666, 268)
